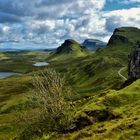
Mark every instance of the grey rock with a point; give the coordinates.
(115, 39)
(134, 64)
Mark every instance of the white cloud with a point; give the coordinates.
(127, 17)
(52, 22)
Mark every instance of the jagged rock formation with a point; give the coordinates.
(93, 44)
(134, 64)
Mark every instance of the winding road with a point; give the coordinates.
(119, 72)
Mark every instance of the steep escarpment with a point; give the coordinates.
(125, 36)
(134, 64)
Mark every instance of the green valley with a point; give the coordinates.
(103, 107)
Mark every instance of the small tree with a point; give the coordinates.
(52, 95)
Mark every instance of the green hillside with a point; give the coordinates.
(99, 71)
(69, 49)
(102, 111)
(70, 46)
(113, 116)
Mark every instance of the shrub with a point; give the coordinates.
(53, 96)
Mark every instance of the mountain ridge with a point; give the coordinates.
(124, 35)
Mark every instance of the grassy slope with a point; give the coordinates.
(65, 54)
(122, 121)
(21, 62)
(99, 71)
(96, 72)
(123, 104)
(12, 95)
(89, 75)
(14, 91)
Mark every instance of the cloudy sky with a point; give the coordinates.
(52, 21)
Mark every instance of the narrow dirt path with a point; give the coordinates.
(119, 73)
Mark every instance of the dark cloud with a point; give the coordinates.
(1, 32)
(32, 8)
(11, 7)
(41, 9)
(53, 2)
(20, 8)
(8, 18)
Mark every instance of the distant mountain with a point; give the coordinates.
(50, 50)
(125, 35)
(71, 47)
(93, 44)
(22, 46)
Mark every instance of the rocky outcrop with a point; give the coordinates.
(124, 36)
(134, 64)
(70, 46)
(115, 39)
(65, 47)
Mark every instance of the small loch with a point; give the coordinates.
(6, 74)
(40, 64)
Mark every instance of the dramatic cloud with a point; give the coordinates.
(4, 17)
(47, 8)
(53, 21)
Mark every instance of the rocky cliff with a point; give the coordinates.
(124, 36)
(134, 64)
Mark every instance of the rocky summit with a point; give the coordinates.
(70, 46)
(124, 35)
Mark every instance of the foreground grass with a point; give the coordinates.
(114, 116)
(13, 93)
